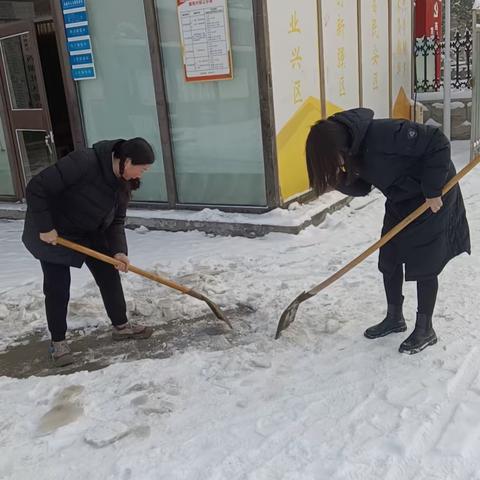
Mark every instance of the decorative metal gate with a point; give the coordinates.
(429, 52)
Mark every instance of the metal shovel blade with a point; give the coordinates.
(288, 316)
(213, 306)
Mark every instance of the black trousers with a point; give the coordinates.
(426, 291)
(56, 288)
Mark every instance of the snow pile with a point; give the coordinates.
(433, 123)
(294, 216)
(453, 105)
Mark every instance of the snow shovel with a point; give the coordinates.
(152, 276)
(288, 316)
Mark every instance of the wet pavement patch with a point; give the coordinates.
(96, 350)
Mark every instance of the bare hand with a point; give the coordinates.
(435, 204)
(123, 267)
(49, 237)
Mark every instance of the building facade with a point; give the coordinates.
(225, 90)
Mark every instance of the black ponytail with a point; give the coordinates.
(139, 151)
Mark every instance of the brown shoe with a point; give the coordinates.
(60, 354)
(130, 331)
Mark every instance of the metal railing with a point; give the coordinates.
(475, 138)
(429, 52)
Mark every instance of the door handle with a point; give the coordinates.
(49, 142)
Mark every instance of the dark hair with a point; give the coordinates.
(326, 144)
(139, 151)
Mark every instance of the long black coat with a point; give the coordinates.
(408, 162)
(83, 200)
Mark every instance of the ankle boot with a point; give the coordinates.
(422, 336)
(394, 322)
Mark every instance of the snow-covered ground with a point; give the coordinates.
(321, 403)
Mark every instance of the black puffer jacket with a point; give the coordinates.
(83, 200)
(408, 162)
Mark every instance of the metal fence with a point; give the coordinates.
(429, 53)
(476, 85)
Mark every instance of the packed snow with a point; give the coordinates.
(295, 215)
(322, 402)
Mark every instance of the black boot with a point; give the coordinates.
(394, 322)
(422, 337)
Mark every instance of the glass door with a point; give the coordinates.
(26, 101)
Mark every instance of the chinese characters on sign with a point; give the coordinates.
(296, 58)
(401, 56)
(374, 31)
(295, 64)
(78, 39)
(340, 31)
(341, 56)
(205, 34)
(401, 47)
(375, 71)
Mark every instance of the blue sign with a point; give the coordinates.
(73, 32)
(75, 17)
(83, 73)
(82, 59)
(69, 4)
(79, 43)
(79, 46)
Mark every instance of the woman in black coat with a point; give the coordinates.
(410, 164)
(84, 197)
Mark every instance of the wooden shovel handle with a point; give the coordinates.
(394, 231)
(131, 268)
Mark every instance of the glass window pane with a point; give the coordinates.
(6, 184)
(23, 10)
(120, 102)
(216, 126)
(35, 151)
(20, 72)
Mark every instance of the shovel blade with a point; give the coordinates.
(213, 306)
(288, 316)
(217, 312)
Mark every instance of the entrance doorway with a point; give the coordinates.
(35, 107)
